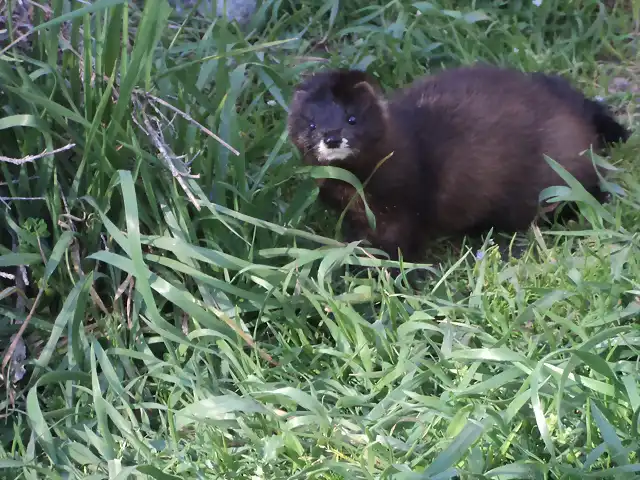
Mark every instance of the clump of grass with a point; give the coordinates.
(176, 305)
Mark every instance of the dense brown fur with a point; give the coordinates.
(467, 145)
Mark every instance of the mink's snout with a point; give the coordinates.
(333, 140)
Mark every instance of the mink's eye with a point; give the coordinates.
(312, 126)
(351, 120)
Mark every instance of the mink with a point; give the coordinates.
(467, 149)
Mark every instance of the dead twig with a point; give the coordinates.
(187, 117)
(178, 168)
(18, 336)
(32, 177)
(75, 250)
(26, 199)
(32, 158)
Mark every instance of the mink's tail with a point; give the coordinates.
(609, 129)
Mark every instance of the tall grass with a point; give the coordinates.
(182, 309)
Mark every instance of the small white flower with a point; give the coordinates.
(271, 103)
(516, 50)
(599, 98)
(537, 3)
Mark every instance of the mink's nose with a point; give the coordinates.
(332, 141)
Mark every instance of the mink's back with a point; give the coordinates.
(479, 135)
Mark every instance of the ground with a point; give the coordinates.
(183, 309)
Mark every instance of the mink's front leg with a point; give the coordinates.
(398, 230)
(337, 195)
(395, 228)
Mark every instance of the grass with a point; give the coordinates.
(200, 320)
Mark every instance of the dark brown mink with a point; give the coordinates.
(467, 144)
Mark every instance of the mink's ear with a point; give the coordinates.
(305, 75)
(367, 87)
(368, 92)
(303, 84)
(298, 95)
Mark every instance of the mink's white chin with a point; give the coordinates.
(326, 154)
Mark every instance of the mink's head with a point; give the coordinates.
(336, 115)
